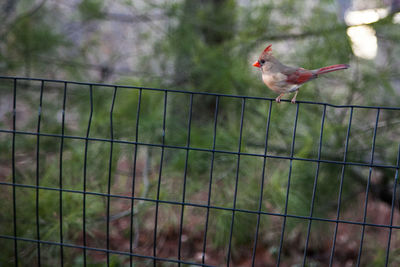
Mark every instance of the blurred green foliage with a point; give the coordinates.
(91, 9)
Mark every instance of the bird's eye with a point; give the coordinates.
(262, 61)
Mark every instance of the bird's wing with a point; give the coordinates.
(298, 75)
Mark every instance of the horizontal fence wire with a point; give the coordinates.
(360, 164)
(155, 257)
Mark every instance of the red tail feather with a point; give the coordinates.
(332, 68)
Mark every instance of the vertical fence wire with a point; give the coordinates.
(184, 178)
(236, 182)
(315, 186)
(85, 176)
(61, 173)
(37, 171)
(131, 233)
(339, 203)
(253, 258)
(13, 173)
(288, 185)
(159, 180)
(203, 255)
(110, 174)
(396, 178)
(367, 189)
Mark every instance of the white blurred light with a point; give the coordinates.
(396, 18)
(365, 16)
(363, 38)
(363, 41)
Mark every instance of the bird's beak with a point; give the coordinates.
(257, 64)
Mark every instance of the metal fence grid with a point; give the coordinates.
(184, 203)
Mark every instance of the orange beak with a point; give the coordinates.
(257, 64)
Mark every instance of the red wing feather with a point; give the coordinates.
(299, 76)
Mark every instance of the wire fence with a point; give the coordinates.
(41, 243)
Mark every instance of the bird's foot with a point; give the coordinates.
(278, 99)
(294, 98)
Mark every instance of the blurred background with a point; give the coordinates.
(176, 44)
(202, 46)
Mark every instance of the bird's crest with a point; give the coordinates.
(266, 50)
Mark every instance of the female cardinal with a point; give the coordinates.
(284, 79)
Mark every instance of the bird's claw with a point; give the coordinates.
(278, 99)
(294, 98)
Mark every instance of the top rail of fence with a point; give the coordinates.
(193, 92)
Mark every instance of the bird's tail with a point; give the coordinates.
(331, 68)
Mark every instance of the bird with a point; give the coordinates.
(284, 79)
